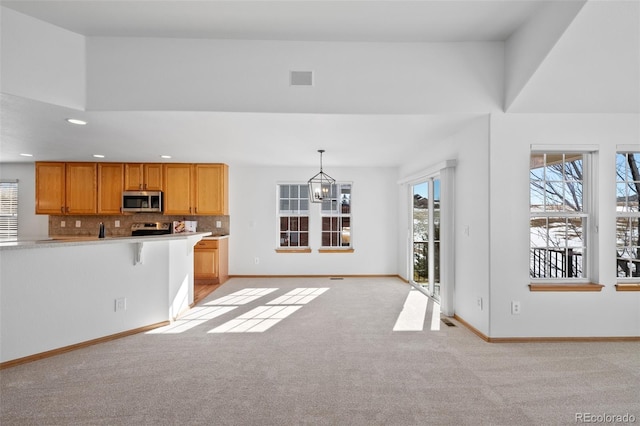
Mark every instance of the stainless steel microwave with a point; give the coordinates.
(142, 201)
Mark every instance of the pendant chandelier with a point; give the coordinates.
(320, 184)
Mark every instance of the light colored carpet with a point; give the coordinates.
(333, 361)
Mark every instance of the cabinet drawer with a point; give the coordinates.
(207, 244)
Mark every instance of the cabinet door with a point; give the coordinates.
(152, 177)
(177, 189)
(110, 186)
(133, 177)
(50, 188)
(81, 188)
(205, 264)
(210, 189)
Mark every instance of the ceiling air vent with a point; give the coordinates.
(301, 78)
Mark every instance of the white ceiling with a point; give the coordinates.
(388, 21)
(272, 139)
(228, 137)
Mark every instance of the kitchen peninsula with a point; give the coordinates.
(57, 294)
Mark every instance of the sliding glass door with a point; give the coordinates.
(426, 236)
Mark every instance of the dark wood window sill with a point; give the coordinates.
(293, 250)
(565, 287)
(337, 250)
(628, 287)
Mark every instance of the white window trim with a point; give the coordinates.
(625, 215)
(589, 202)
(11, 236)
(279, 215)
(350, 215)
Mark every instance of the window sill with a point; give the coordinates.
(628, 287)
(336, 250)
(565, 287)
(293, 250)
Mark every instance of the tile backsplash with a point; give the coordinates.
(89, 225)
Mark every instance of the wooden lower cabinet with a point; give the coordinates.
(211, 261)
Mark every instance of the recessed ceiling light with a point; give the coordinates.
(165, 156)
(98, 155)
(26, 155)
(76, 121)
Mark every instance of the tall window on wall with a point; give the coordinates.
(628, 215)
(9, 210)
(336, 217)
(293, 215)
(559, 216)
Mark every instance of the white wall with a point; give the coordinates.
(470, 148)
(30, 225)
(605, 313)
(253, 76)
(41, 61)
(58, 296)
(254, 225)
(528, 47)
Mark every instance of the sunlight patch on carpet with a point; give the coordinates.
(299, 296)
(242, 297)
(263, 318)
(195, 317)
(414, 311)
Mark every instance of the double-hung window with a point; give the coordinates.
(627, 215)
(293, 215)
(336, 217)
(9, 210)
(559, 217)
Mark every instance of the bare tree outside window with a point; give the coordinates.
(558, 220)
(628, 214)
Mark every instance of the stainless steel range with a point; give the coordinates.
(150, 228)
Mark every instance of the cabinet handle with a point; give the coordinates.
(62, 209)
(196, 210)
(145, 186)
(67, 209)
(140, 186)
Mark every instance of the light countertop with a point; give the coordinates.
(62, 241)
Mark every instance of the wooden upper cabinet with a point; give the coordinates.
(81, 190)
(196, 189)
(96, 188)
(153, 177)
(210, 188)
(110, 186)
(142, 177)
(50, 188)
(66, 188)
(178, 189)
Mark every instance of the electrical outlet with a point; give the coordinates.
(218, 224)
(63, 224)
(256, 260)
(117, 224)
(515, 307)
(479, 302)
(121, 304)
(78, 224)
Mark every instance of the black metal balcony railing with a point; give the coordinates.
(420, 261)
(555, 263)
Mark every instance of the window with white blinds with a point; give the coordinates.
(9, 209)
